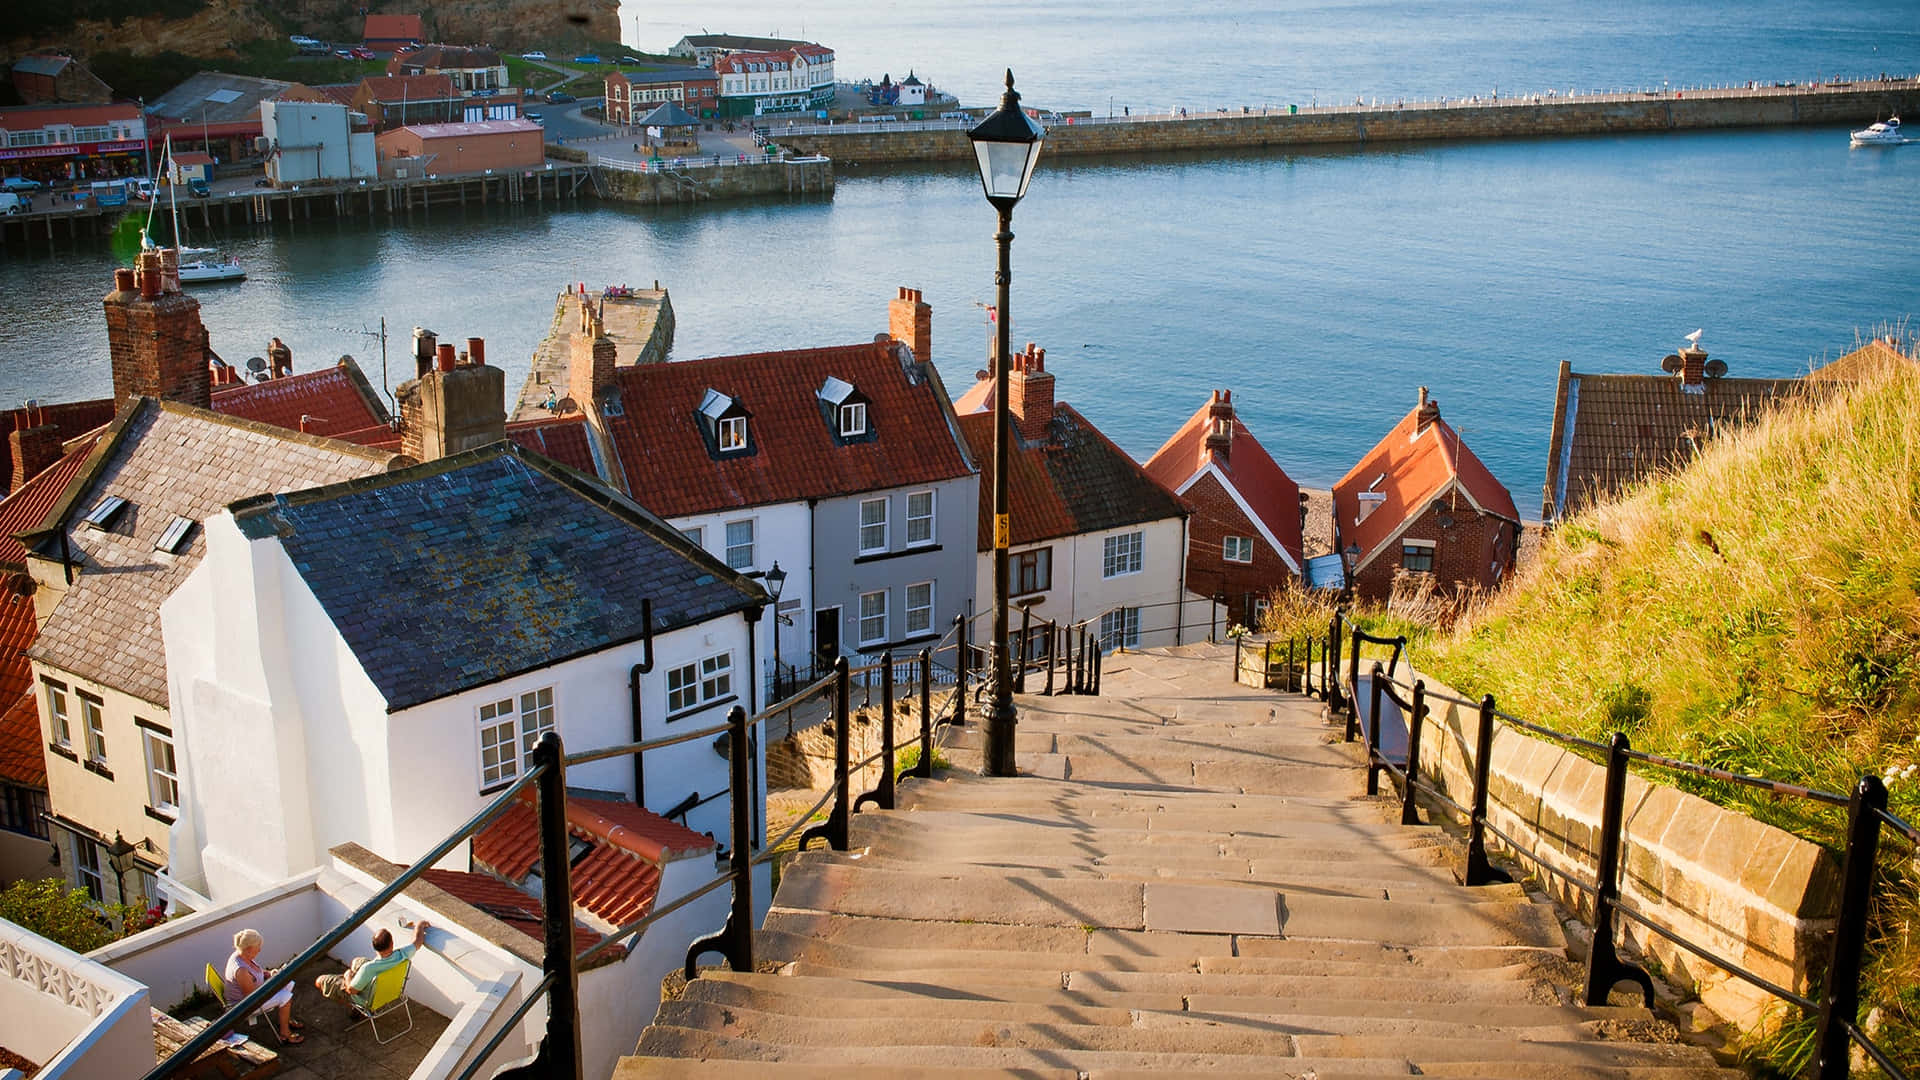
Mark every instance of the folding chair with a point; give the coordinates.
(389, 993)
(218, 988)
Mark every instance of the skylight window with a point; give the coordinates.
(104, 512)
(176, 535)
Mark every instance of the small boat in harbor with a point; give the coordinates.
(198, 265)
(201, 271)
(1885, 133)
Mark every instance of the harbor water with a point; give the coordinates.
(1322, 287)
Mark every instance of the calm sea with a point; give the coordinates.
(1323, 288)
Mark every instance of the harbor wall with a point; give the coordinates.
(714, 183)
(1386, 123)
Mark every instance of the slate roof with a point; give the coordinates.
(563, 438)
(338, 399)
(26, 509)
(1411, 467)
(21, 759)
(619, 879)
(448, 58)
(219, 97)
(520, 910)
(1076, 482)
(42, 64)
(667, 114)
(473, 568)
(73, 419)
(739, 41)
(1247, 468)
(165, 459)
(795, 455)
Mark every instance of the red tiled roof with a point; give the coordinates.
(1410, 467)
(390, 89)
(618, 880)
(191, 157)
(391, 28)
(35, 117)
(1077, 482)
(517, 909)
(338, 399)
(340, 93)
(564, 439)
(21, 759)
(25, 509)
(1248, 469)
(73, 419)
(795, 456)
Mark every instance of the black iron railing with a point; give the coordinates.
(1837, 1007)
(558, 1054)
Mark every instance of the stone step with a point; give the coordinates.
(666, 1041)
(1262, 852)
(1510, 987)
(964, 792)
(656, 1068)
(1185, 862)
(1161, 906)
(1606, 1054)
(1208, 822)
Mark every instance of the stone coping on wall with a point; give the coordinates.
(1739, 888)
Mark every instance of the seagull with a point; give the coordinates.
(1693, 339)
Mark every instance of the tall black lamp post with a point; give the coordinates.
(776, 579)
(1007, 144)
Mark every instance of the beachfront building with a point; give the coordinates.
(788, 80)
(1244, 539)
(57, 143)
(217, 113)
(391, 101)
(447, 149)
(704, 49)
(1096, 540)
(474, 70)
(633, 94)
(1422, 509)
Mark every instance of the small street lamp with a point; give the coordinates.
(1350, 561)
(120, 859)
(1007, 144)
(776, 580)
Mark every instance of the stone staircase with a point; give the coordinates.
(1189, 881)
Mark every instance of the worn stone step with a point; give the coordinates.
(1500, 987)
(1177, 907)
(1204, 822)
(1510, 1070)
(658, 1068)
(1606, 1054)
(1262, 852)
(666, 1041)
(1087, 797)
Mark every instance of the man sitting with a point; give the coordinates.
(356, 986)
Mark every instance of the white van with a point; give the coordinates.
(13, 204)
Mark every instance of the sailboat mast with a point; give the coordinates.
(173, 193)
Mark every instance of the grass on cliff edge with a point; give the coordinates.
(1758, 611)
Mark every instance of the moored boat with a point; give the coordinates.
(200, 271)
(1885, 133)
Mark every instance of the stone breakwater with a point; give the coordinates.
(689, 183)
(1359, 125)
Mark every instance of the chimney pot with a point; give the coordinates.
(446, 357)
(477, 348)
(123, 279)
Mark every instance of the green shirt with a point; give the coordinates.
(362, 982)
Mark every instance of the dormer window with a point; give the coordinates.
(733, 433)
(845, 410)
(853, 419)
(723, 420)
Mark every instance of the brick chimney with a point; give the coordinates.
(590, 369)
(1429, 411)
(1220, 425)
(35, 445)
(424, 342)
(155, 340)
(910, 320)
(1693, 368)
(457, 404)
(1030, 394)
(279, 359)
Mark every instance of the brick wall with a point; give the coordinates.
(1215, 517)
(1476, 548)
(156, 344)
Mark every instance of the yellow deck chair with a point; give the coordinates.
(389, 994)
(218, 988)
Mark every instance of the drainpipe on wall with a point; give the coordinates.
(633, 689)
(1180, 591)
(752, 615)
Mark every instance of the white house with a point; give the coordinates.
(371, 662)
(1093, 536)
(312, 140)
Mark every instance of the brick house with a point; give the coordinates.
(53, 79)
(465, 147)
(1420, 502)
(1244, 539)
(473, 69)
(632, 94)
(390, 101)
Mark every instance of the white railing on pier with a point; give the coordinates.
(702, 161)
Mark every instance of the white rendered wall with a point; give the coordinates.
(74, 1016)
(1079, 592)
(782, 533)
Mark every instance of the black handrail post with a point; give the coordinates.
(1373, 726)
(834, 829)
(1098, 660)
(1026, 640)
(1353, 666)
(560, 1048)
(1841, 1004)
(960, 669)
(1604, 966)
(735, 939)
(1293, 682)
(924, 768)
(1330, 661)
(1479, 870)
(1236, 658)
(882, 793)
(1053, 637)
(1409, 812)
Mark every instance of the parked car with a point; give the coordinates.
(587, 59)
(536, 117)
(199, 188)
(631, 60)
(142, 188)
(19, 185)
(534, 55)
(560, 97)
(362, 53)
(344, 54)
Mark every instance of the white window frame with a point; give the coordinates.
(93, 716)
(882, 524)
(853, 419)
(716, 677)
(697, 684)
(1123, 554)
(919, 617)
(683, 689)
(926, 519)
(163, 783)
(731, 433)
(57, 713)
(867, 617)
(697, 534)
(745, 549)
(496, 728)
(1237, 549)
(1425, 547)
(86, 866)
(536, 719)
(1121, 626)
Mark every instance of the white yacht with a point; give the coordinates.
(1886, 133)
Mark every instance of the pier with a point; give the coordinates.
(1388, 121)
(638, 321)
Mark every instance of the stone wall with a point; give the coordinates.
(1360, 125)
(717, 183)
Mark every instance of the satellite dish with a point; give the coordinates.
(1716, 368)
(1671, 365)
(261, 376)
(256, 364)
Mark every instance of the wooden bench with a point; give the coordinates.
(249, 1060)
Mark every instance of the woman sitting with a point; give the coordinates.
(244, 974)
